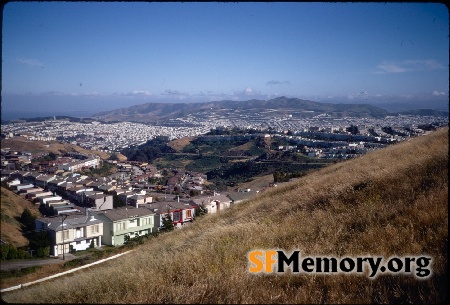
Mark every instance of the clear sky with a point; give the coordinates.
(102, 55)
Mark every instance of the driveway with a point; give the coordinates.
(23, 263)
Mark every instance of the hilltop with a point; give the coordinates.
(391, 202)
(36, 147)
(152, 112)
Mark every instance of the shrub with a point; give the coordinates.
(23, 254)
(12, 253)
(4, 249)
(167, 224)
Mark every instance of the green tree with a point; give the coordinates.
(28, 220)
(200, 210)
(52, 156)
(167, 223)
(353, 129)
(117, 202)
(40, 242)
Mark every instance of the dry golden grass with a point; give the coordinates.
(121, 157)
(12, 206)
(179, 144)
(389, 202)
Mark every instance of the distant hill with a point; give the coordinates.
(391, 202)
(151, 112)
(50, 118)
(430, 112)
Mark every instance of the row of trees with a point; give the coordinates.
(280, 176)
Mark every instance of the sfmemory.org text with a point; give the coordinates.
(269, 261)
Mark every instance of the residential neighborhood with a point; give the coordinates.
(79, 211)
(113, 137)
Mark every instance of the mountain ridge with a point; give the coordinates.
(158, 111)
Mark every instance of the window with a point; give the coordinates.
(66, 234)
(95, 229)
(188, 213)
(176, 216)
(120, 226)
(78, 233)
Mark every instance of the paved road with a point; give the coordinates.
(17, 264)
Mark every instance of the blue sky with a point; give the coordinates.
(104, 55)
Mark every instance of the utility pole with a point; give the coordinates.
(63, 217)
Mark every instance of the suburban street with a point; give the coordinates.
(24, 263)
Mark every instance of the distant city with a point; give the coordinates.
(113, 137)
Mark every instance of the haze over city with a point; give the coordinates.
(81, 58)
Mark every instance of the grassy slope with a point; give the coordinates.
(179, 144)
(389, 202)
(21, 143)
(12, 206)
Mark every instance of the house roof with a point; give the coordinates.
(238, 196)
(125, 213)
(208, 199)
(45, 177)
(56, 181)
(97, 196)
(35, 175)
(72, 221)
(8, 171)
(78, 188)
(162, 206)
(90, 193)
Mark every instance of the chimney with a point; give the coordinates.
(137, 204)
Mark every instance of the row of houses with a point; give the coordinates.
(110, 227)
(78, 231)
(83, 214)
(78, 165)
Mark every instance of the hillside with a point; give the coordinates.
(21, 143)
(152, 112)
(179, 144)
(12, 206)
(392, 202)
